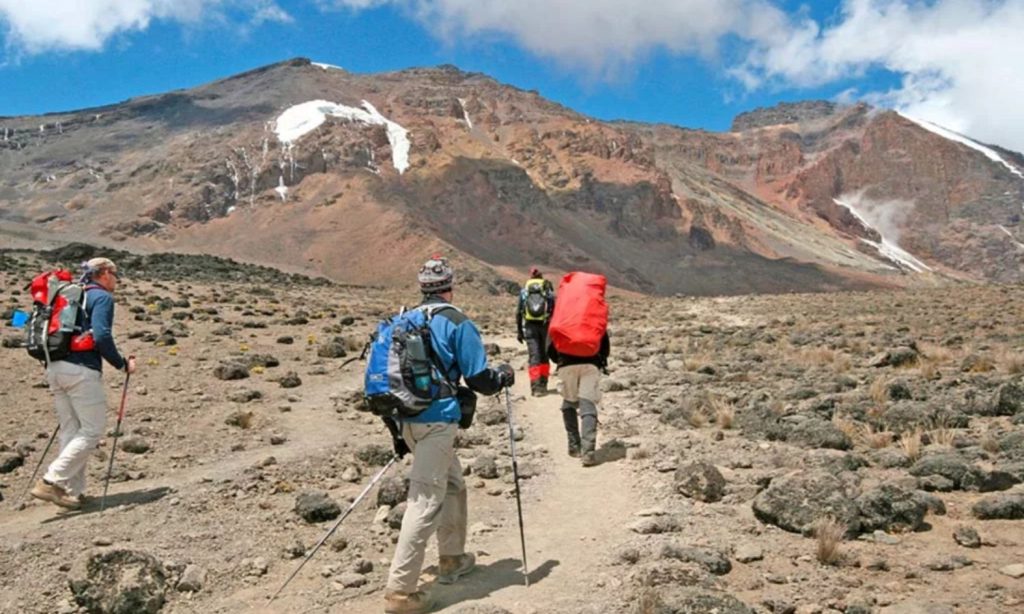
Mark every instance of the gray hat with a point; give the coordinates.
(436, 275)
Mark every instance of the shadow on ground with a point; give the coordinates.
(134, 497)
(488, 579)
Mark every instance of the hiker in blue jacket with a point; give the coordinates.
(437, 492)
(77, 386)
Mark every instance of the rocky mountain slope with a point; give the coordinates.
(388, 167)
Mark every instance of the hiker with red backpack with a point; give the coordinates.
(442, 346)
(536, 304)
(74, 372)
(578, 344)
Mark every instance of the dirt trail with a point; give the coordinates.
(571, 515)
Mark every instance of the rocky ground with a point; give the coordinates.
(853, 452)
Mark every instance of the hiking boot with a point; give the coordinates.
(536, 390)
(574, 451)
(452, 568)
(55, 494)
(407, 603)
(589, 459)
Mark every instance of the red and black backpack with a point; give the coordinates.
(53, 330)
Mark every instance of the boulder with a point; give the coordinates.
(1009, 400)
(891, 508)
(1002, 507)
(290, 380)
(696, 601)
(192, 579)
(392, 491)
(375, 454)
(948, 465)
(711, 560)
(9, 461)
(316, 506)
(798, 500)
(817, 433)
(231, 371)
(119, 581)
(702, 481)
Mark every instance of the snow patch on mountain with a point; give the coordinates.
(1012, 238)
(887, 247)
(327, 66)
(301, 119)
(465, 114)
(963, 140)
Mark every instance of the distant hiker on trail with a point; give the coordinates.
(437, 492)
(578, 343)
(77, 386)
(536, 304)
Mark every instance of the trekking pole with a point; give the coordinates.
(32, 479)
(515, 475)
(376, 478)
(117, 433)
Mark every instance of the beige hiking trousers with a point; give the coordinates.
(580, 382)
(437, 502)
(81, 404)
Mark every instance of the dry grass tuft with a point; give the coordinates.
(725, 415)
(879, 390)
(777, 407)
(828, 533)
(911, 444)
(942, 436)
(849, 427)
(989, 442)
(1010, 363)
(871, 438)
(928, 369)
(934, 353)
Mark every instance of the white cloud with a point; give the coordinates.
(597, 36)
(960, 61)
(86, 25)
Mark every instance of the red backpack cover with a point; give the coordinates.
(581, 314)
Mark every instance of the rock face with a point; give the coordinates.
(119, 582)
(796, 501)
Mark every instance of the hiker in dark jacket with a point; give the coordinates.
(581, 392)
(77, 386)
(437, 492)
(533, 314)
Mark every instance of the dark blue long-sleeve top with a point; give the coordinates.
(98, 316)
(460, 351)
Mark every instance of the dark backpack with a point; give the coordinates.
(535, 305)
(52, 332)
(403, 376)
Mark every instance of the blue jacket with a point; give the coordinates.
(98, 316)
(460, 351)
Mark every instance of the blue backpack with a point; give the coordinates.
(402, 374)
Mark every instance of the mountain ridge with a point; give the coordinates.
(658, 208)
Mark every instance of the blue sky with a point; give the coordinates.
(694, 63)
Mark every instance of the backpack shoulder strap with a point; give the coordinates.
(450, 312)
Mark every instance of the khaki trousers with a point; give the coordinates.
(81, 404)
(437, 502)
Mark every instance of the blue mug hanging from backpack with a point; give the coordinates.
(19, 318)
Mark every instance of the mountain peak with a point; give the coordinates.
(785, 113)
